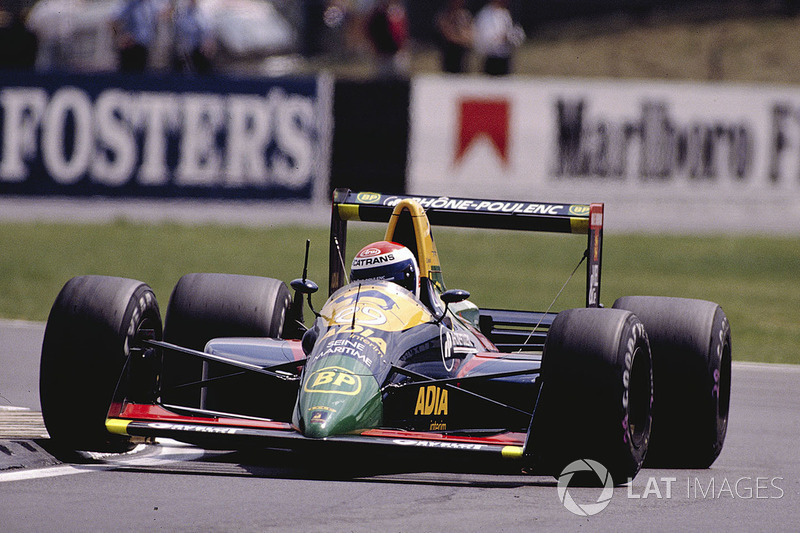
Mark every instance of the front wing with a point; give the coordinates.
(223, 433)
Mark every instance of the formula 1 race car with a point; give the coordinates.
(393, 361)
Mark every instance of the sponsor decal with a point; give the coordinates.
(432, 400)
(368, 197)
(369, 252)
(319, 417)
(333, 380)
(322, 408)
(488, 206)
(363, 261)
(366, 314)
(579, 210)
(483, 119)
(352, 346)
(385, 308)
(193, 427)
(359, 333)
(431, 344)
(446, 343)
(452, 343)
(439, 444)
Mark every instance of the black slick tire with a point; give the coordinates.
(206, 306)
(87, 339)
(595, 401)
(691, 344)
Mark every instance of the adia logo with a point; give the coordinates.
(591, 468)
(431, 400)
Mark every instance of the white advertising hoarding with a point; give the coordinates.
(693, 157)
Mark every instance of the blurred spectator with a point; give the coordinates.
(52, 22)
(194, 39)
(387, 30)
(135, 27)
(496, 37)
(18, 45)
(454, 25)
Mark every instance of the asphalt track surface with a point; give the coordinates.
(753, 486)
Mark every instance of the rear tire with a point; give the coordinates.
(596, 395)
(87, 340)
(691, 344)
(208, 306)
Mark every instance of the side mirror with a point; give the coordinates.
(301, 287)
(451, 297)
(304, 286)
(295, 323)
(454, 296)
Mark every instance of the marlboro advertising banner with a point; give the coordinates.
(687, 156)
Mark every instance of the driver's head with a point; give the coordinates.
(384, 260)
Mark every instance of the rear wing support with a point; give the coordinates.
(470, 213)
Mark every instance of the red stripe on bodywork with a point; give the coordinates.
(135, 411)
(477, 360)
(501, 439)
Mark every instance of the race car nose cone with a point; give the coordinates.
(339, 395)
(317, 425)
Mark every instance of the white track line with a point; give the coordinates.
(166, 452)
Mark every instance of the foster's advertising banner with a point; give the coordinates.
(114, 135)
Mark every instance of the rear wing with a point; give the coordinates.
(471, 213)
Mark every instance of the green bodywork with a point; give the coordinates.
(338, 395)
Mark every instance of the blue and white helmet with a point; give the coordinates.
(384, 260)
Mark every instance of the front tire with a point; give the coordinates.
(87, 340)
(596, 396)
(691, 343)
(208, 306)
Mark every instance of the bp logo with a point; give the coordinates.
(587, 469)
(368, 197)
(579, 210)
(333, 380)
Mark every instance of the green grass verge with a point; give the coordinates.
(753, 278)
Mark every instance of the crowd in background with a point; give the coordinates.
(135, 28)
(471, 35)
(493, 35)
(50, 37)
(135, 32)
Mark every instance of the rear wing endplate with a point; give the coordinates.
(471, 213)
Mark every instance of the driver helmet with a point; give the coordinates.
(390, 261)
